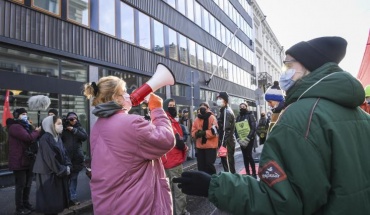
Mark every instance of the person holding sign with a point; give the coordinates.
(245, 131)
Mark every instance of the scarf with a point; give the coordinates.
(205, 124)
(106, 109)
(25, 125)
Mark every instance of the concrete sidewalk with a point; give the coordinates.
(7, 199)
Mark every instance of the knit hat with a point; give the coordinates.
(166, 102)
(18, 112)
(224, 96)
(274, 95)
(316, 52)
(54, 111)
(72, 114)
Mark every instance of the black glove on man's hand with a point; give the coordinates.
(179, 142)
(194, 183)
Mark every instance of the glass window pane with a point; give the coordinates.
(52, 6)
(78, 11)
(214, 63)
(218, 30)
(172, 3)
(207, 60)
(172, 42)
(190, 9)
(107, 22)
(198, 13)
(192, 54)
(200, 57)
(212, 25)
(206, 20)
(74, 71)
(183, 49)
(144, 31)
(226, 68)
(127, 23)
(181, 6)
(158, 38)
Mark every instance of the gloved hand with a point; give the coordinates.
(179, 142)
(200, 134)
(155, 102)
(194, 183)
(68, 170)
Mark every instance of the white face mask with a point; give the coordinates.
(220, 103)
(59, 129)
(127, 104)
(286, 81)
(24, 117)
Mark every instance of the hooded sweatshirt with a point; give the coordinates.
(315, 160)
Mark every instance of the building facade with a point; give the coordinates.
(268, 51)
(54, 47)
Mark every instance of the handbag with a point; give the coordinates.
(222, 152)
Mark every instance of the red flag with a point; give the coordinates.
(6, 113)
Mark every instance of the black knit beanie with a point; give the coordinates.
(54, 111)
(224, 96)
(165, 103)
(18, 112)
(316, 52)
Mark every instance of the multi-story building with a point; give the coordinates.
(54, 47)
(268, 51)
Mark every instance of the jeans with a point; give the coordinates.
(23, 181)
(73, 186)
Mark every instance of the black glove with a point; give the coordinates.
(194, 183)
(200, 134)
(179, 142)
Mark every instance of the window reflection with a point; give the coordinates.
(198, 13)
(158, 38)
(144, 30)
(178, 90)
(78, 11)
(181, 6)
(127, 23)
(52, 6)
(183, 49)
(207, 60)
(28, 63)
(74, 71)
(172, 3)
(192, 54)
(106, 12)
(172, 42)
(200, 57)
(190, 5)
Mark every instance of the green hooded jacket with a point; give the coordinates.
(316, 158)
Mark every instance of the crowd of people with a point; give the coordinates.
(314, 158)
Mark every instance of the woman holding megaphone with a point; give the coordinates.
(127, 174)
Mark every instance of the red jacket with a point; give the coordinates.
(175, 156)
(366, 107)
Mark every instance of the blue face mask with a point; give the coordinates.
(286, 81)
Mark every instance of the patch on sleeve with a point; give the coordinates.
(271, 173)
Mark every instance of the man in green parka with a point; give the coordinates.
(316, 159)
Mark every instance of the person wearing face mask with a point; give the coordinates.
(226, 123)
(274, 97)
(73, 135)
(21, 137)
(316, 157)
(52, 167)
(204, 131)
(127, 174)
(173, 159)
(246, 121)
(366, 104)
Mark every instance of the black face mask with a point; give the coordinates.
(202, 111)
(243, 111)
(172, 111)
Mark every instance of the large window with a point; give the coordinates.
(198, 13)
(158, 38)
(183, 49)
(127, 23)
(144, 31)
(78, 11)
(73, 71)
(200, 57)
(107, 22)
(190, 9)
(50, 6)
(207, 60)
(192, 54)
(172, 43)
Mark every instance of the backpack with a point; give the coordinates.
(262, 128)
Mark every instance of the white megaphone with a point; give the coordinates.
(163, 76)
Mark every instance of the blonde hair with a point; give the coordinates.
(106, 89)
